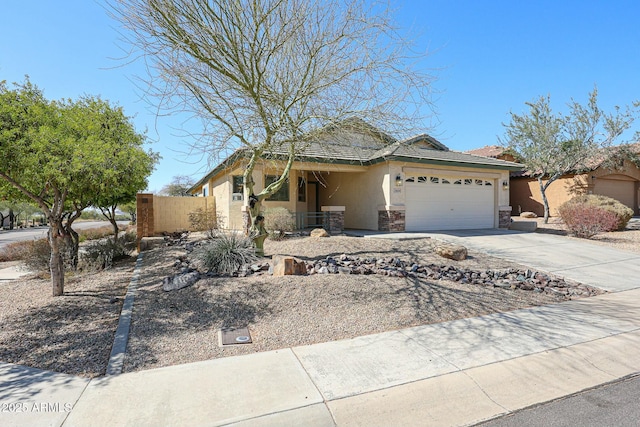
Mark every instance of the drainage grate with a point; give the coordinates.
(232, 336)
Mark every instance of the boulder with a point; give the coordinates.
(180, 281)
(455, 252)
(528, 215)
(319, 232)
(288, 266)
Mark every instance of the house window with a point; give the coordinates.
(238, 184)
(302, 190)
(282, 195)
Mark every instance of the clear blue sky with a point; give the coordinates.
(489, 58)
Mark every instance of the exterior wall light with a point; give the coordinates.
(505, 185)
(398, 180)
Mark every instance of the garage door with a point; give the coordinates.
(448, 203)
(621, 190)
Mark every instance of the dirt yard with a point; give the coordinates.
(74, 333)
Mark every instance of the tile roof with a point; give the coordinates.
(368, 146)
(488, 151)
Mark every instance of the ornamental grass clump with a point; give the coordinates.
(226, 253)
(585, 220)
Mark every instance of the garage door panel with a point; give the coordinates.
(623, 191)
(440, 206)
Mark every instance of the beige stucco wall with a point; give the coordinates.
(172, 213)
(526, 196)
(360, 193)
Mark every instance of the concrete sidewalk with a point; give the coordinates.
(453, 373)
(12, 273)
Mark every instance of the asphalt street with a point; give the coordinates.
(614, 404)
(10, 236)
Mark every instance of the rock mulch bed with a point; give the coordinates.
(512, 278)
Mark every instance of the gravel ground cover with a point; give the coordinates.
(74, 333)
(182, 326)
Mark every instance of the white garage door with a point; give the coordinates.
(448, 202)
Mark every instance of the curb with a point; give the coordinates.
(116, 359)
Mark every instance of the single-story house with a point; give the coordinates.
(377, 181)
(621, 182)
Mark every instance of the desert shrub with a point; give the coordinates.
(14, 251)
(98, 232)
(278, 221)
(623, 213)
(38, 254)
(226, 254)
(101, 254)
(586, 220)
(205, 220)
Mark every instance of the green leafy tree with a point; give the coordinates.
(57, 154)
(265, 76)
(551, 145)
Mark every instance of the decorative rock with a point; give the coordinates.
(180, 281)
(528, 215)
(319, 232)
(288, 266)
(455, 252)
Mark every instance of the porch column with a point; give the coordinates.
(335, 220)
(391, 218)
(504, 217)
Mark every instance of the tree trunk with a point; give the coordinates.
(56, 265)
(257, 231)
(545, 202)
(11, 219)
(72, 241)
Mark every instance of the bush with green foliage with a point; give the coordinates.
(278, 221)
(586, 220)
(226, 254)
(101, 254)
(623, 213)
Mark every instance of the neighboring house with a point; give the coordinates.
(621, 183)
(380, 183)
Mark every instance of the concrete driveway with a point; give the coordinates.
(606, 268)
(580, 260)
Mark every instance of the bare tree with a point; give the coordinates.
(266, 75)
(178, 187)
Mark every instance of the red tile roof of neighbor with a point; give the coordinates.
(488, 151)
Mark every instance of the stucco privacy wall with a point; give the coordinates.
(158, 214)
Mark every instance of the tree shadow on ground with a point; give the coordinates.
(73, 333)
(202, 306)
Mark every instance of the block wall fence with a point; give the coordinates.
(160, 214)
